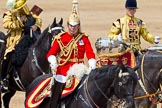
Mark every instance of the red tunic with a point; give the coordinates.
(83, 46)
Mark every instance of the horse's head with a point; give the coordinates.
(56, 28)
(124, 86)
(49, 34)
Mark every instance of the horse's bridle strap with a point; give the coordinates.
(148, 95)
(36, 61)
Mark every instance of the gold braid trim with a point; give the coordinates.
(114, 55)
(67, 50)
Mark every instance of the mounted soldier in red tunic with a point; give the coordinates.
(68, 49)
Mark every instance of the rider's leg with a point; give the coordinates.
(57, 89)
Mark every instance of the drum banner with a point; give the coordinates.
(126, 57)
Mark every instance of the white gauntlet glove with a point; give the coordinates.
(120, 37)
(157, 39)
(53, 62)
(92, 64)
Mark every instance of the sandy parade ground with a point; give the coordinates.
(96, 19)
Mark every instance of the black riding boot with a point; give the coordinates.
(56, 89)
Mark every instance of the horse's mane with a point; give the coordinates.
(108, 69)
(41, 36)
(112, 70)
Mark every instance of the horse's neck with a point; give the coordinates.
(39, 51)
(42, 44)
(96, 89)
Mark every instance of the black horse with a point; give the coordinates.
(95, 89)
(149, 94)
(35, 63)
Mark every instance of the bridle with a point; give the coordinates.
(120, 99)
(50, 30)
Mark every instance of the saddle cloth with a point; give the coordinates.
(126, 57)
(43, 90)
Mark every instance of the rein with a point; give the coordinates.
(148, 95)
(36, 61)
(142, 84)
(87, 92)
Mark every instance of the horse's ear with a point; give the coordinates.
(54, 20)
(61, 21)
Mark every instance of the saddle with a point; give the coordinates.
(43, 90)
